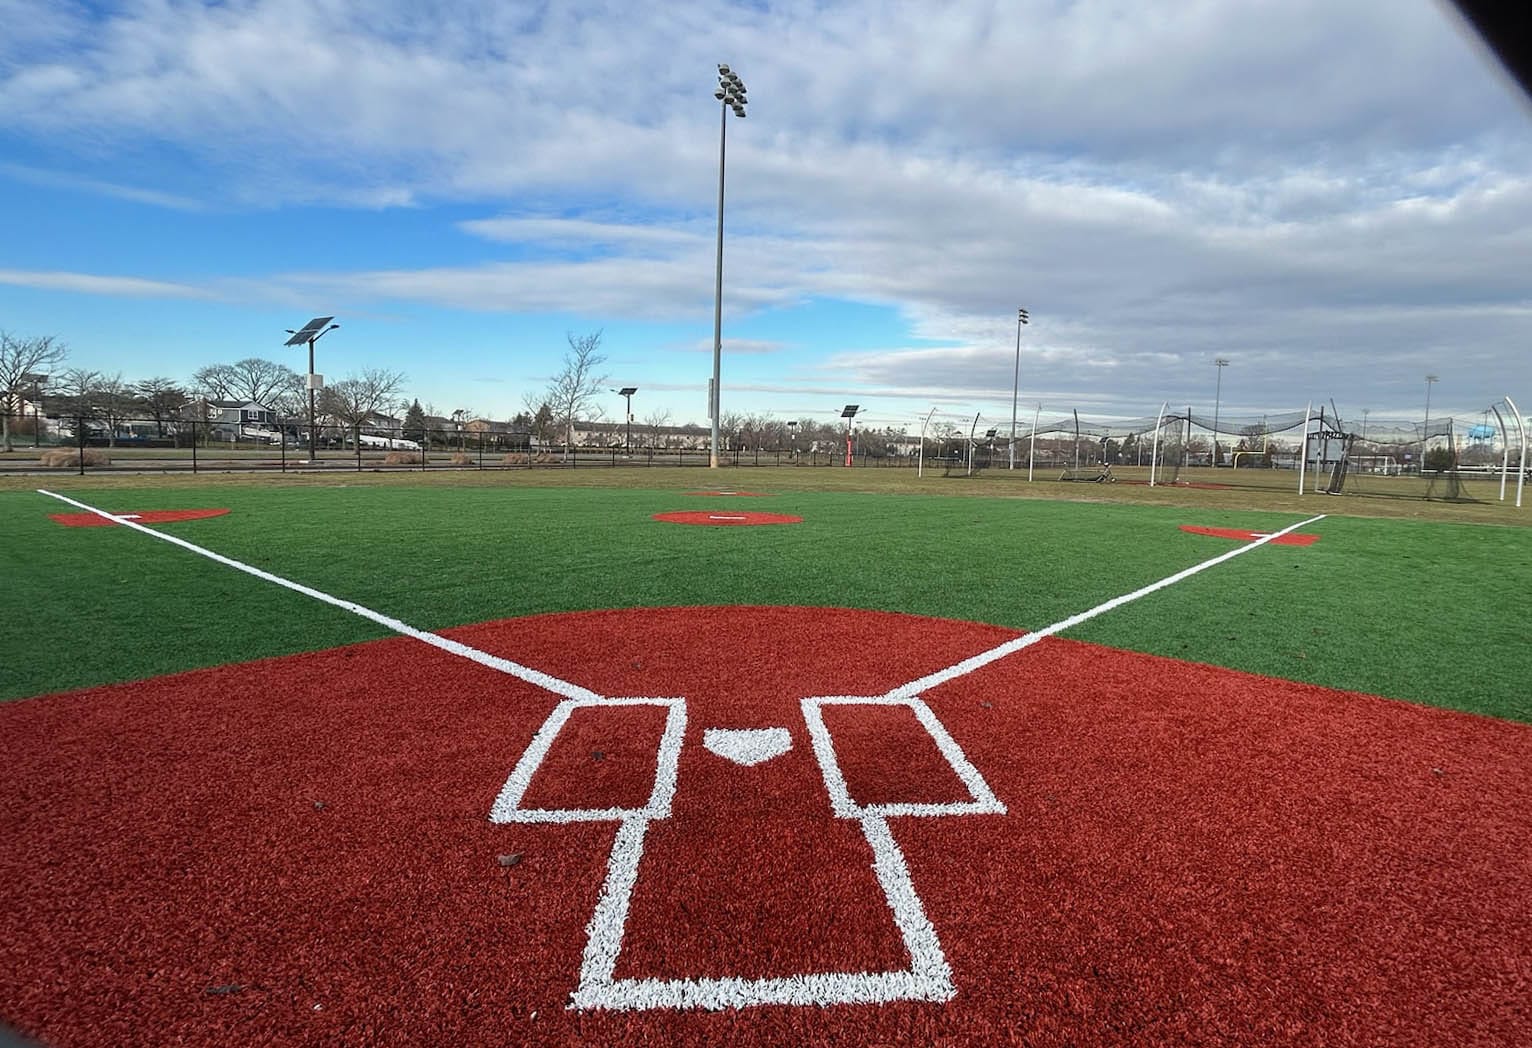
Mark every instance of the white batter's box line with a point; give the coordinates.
(507, 806)
(929, 977)
(982, 799)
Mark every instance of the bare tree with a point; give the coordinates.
(23, 362)
(74, 392)
(356, 398)
(115, 404)
(252, 379)
(573, 391)
(162, 399)
(656, 420)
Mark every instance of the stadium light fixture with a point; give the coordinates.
(1220, 363)
(731, 95)
(1021, 318)
(626, 392)
(310, 333)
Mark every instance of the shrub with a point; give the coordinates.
(462, 458)
(400, 458)
(69, 458)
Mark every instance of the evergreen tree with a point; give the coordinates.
(414, 427)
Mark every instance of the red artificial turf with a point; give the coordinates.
(721, 519)
(141, 516)
(298, 850)
(1292, 538)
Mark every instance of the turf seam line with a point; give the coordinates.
(984, 658)
(546, 681)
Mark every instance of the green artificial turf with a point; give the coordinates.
(1413, 610)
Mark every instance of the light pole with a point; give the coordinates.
(849, 414)
(1425, 427)
(731, 95)
(1021, 318)
(310, 333)
(626, 393)
(1365, 413)
(792, 436)
(35, 384)
(1220, 363)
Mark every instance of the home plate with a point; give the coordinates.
(747, 746)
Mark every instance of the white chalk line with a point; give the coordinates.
(546, 681)
(984, 658)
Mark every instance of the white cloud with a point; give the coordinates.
(1306, 186)
(93, 284)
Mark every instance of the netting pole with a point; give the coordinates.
(1505, 450)
(1032, 440)
(1154, 455)
(920, 463)
(1303, 447)
(1521, 432)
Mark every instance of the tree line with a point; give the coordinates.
(31, 369)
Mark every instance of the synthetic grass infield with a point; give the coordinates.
(1409, 609)
(821, 826)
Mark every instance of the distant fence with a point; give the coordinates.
(1449, 459)
(44, 444)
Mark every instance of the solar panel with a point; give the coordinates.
(308, 331)
(850, 410)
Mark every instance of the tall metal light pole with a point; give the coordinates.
(626, 393)
(731, 95)
(35, 384)
(1425, 427)
(312, 332)
(1220, 363)
(1021, 318)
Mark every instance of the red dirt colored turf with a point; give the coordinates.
(142, 516)
(1292, 538)
(298, 850)
(740, 519)
(739, 494)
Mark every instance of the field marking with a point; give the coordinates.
(928, 978)
(984, 658)
(546, 681)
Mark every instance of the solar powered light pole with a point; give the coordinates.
(312, 332)
(1220, 364)
(731, 93)
(792, 436)
(626, 392)
(1021, 318)
(849, 413)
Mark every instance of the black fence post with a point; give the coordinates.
(79, 432)
(194, 444)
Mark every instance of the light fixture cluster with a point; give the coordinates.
(731, 90)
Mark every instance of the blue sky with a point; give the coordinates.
(1332, 195)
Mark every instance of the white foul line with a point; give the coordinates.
(984, 658)
(542, 680)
